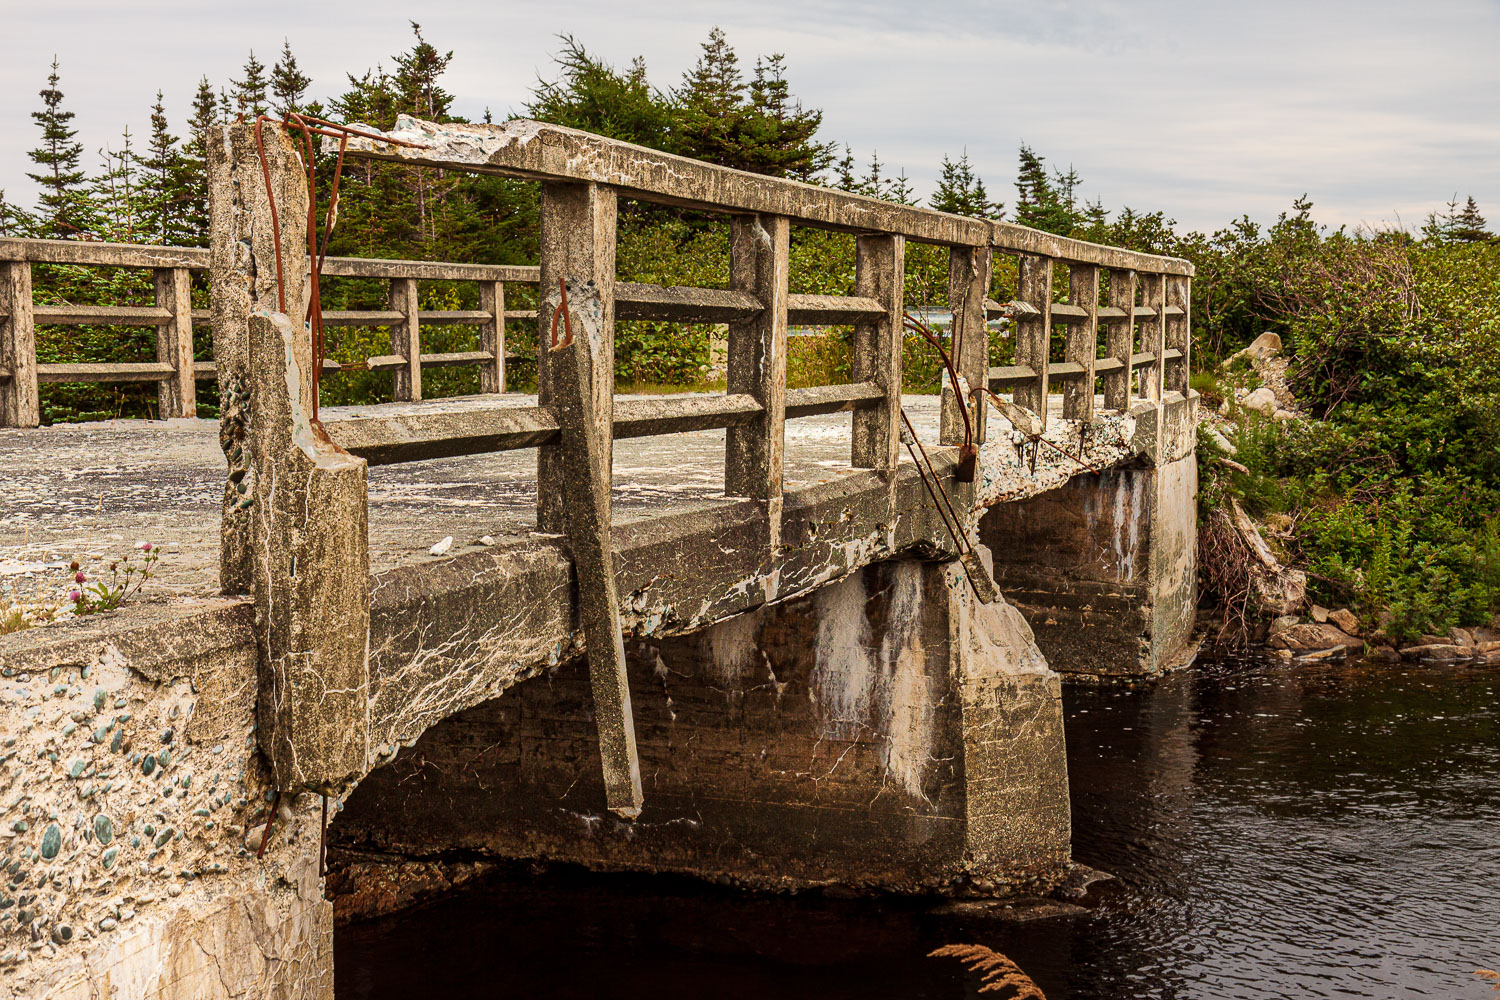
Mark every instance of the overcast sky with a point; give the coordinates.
(1205, 110)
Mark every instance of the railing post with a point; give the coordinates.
(19, 403)
(306, 498)
(1154, 334)
(1119, 338)
(880, 272)
(1082, 347)
(968, 285)
(492, 336)
(406, 340)
(176, 396)
(1178, 333)
(1034, 332)
(578, 244)
(578, 379)
(759, 263)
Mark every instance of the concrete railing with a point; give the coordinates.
(175, 369)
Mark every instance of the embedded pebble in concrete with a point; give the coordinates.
(94, 834)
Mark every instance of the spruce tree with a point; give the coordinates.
(166, 180)
(1038, 202)
(288, 83)
(195, 165)
(64, 209)
(250, 93)
(592, 95)
(961, 191)
(783, 133)
(1467, 226)
(117, 192)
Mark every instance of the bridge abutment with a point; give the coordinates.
(885, 733)
(1105, 568)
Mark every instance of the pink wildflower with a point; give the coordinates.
(75, 596)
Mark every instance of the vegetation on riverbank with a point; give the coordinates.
(1386, 488)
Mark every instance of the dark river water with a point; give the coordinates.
(1279, 832)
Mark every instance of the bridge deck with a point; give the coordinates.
(91, 491)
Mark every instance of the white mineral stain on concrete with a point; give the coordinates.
(843, 677)
(732, 650)
(910, 722)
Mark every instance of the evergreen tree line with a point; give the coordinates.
(155, 191)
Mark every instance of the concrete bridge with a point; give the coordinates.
(750, 635)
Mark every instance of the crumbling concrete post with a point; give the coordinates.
(303, 497)
(968, 284)
(581, 377)
(880, 274)
(1120, 341)
(19, 404)
(760, 264)
(1034, 332)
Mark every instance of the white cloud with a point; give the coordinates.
(1203, 110)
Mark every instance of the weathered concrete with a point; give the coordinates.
(821, 699)
(1105, 568)
(885, 732)
(307, 537)
(538, 150)
(131, 785)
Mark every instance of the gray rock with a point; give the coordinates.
(1434, 652)
(1262, 399)
(1312, 636)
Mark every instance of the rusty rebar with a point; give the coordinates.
(265, 836)
(561, 313)
(960, 537)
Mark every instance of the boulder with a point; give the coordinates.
(1265, 346)
(1319, 613)
(1219, 440)
(1484, 634)
(1460, 636)
(1434, 652)
(1346, 620)
(1285, 415)
(1331, 653)
(1281, 624)
(1313, 636)
(1383, 654)
(1262, 399)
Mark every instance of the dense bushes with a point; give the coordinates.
(1393, 491)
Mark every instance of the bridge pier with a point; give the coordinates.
(885, 733)
(1105, 568)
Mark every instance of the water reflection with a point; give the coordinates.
(1312, 831)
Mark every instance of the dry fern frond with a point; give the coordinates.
(996, 971)
(1489, 975)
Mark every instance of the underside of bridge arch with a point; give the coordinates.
(887, 732)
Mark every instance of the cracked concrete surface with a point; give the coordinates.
(75, 489)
